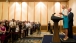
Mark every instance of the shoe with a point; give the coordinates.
(65, 38)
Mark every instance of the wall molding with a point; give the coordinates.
(34, 0)
(43, 27)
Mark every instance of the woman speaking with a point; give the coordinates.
(65, 21)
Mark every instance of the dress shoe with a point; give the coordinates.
(65, 38)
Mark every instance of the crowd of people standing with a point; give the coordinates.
(15, 29)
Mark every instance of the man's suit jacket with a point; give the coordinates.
(49, 25)
(70, 17)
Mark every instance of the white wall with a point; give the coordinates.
(31, 11)
(72, 4)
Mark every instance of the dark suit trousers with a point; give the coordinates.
(70, 32)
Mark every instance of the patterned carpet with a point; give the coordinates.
(30, 40)
(35, 38)
(40, 34)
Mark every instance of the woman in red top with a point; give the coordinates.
(2, 32)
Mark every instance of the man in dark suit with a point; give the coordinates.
(38, 28)
(49, 28)
(70, 17)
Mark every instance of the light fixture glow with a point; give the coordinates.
(40, 4)
(18, 6)
(24, 4)
(57, 4)
(57, 8)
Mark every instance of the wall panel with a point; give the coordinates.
(24, 11)
(44, 13)
(5, 10)
(18, 11)
(57, 7)
(31, 11)
(37, 12)
(50, 11)
(0, 10)
(11, 10)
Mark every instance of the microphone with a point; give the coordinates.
(53, 14)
